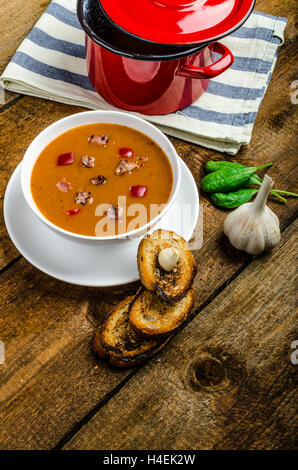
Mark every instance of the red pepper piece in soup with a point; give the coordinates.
(65, 159)
(125, 152)
(73, 211)
(138, 190)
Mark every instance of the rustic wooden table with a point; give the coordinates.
(225, 381)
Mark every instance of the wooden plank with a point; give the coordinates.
(16, 20)
(7, 98)
(50, 379)
(50, 391)
(225, 382)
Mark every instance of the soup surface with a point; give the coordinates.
(101, 180)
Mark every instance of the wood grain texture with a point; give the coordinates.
(52, 383)
(59, 377)
(225, 382)
(51, 378)
(16, 19)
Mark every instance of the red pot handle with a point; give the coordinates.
(209, 71)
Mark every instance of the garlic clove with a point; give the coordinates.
(253, 227)
(168, 258)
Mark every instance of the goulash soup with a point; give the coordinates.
(101, 180)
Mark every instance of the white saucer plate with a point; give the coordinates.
(89, 265)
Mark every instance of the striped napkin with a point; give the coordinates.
(50, 63)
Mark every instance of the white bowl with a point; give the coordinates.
(92, 117)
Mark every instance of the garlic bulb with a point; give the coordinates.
(253, 227)
(168, 258)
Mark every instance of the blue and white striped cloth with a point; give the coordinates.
(50, 63)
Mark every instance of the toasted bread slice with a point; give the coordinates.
(116, 341)
(173, 285)
(153, 317)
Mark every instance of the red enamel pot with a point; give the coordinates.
(143, 76)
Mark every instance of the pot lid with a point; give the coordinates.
(178, 22)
